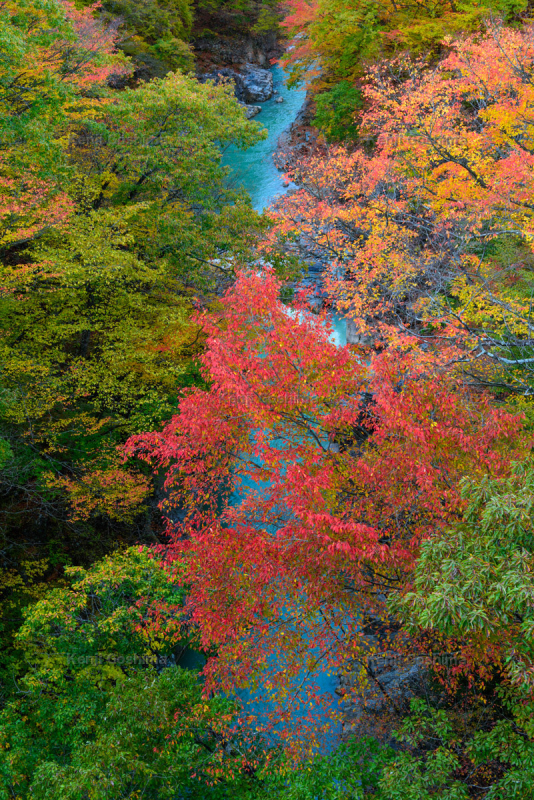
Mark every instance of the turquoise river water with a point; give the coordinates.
(255, 170)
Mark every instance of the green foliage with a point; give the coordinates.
(473, 583)
(143, 738)
(160, 28)
(88, 323)
(474, 580)
(105, 249)
(243, 16)
(174, 52)
(443, 761)
(162, 141)
(351, 772)
(94, 343)
(6, 453)
(94, 715)
(268, 19)
(336, 110)
(412, 777)
(103, 616)
(154, 19)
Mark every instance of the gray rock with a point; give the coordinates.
(393, 680)
(355, 337)
(236, 49)
(220, 75)
(279, 100)
(250, 111)
(255, 85)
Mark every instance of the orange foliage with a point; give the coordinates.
(445, 169)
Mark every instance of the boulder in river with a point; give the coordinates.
(255, 85)
(250, 111)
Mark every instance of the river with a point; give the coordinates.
(255, 170)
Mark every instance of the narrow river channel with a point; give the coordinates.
(255, 170)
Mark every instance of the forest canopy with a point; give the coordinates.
(208, 503)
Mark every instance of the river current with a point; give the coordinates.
(255, 170)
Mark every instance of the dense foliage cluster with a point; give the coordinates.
(334, 41)
(193, 471)
(113, 207)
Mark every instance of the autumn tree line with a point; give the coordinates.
(188, 463)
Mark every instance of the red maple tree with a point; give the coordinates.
(304, 480)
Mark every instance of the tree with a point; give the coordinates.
(428, 227)
(98, 710)
(336, 111)
(288, 540)
(161, 141)
(446, 755)
(95, 345)
(57, 61)
(472, 584)
(335, 40)
(106, 245)
(351, 771)
(161, 145)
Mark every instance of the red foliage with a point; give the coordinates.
(89, 57)
(287, 536)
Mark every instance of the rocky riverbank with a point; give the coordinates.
(224, 51)
(301, 140)
(242, 60)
